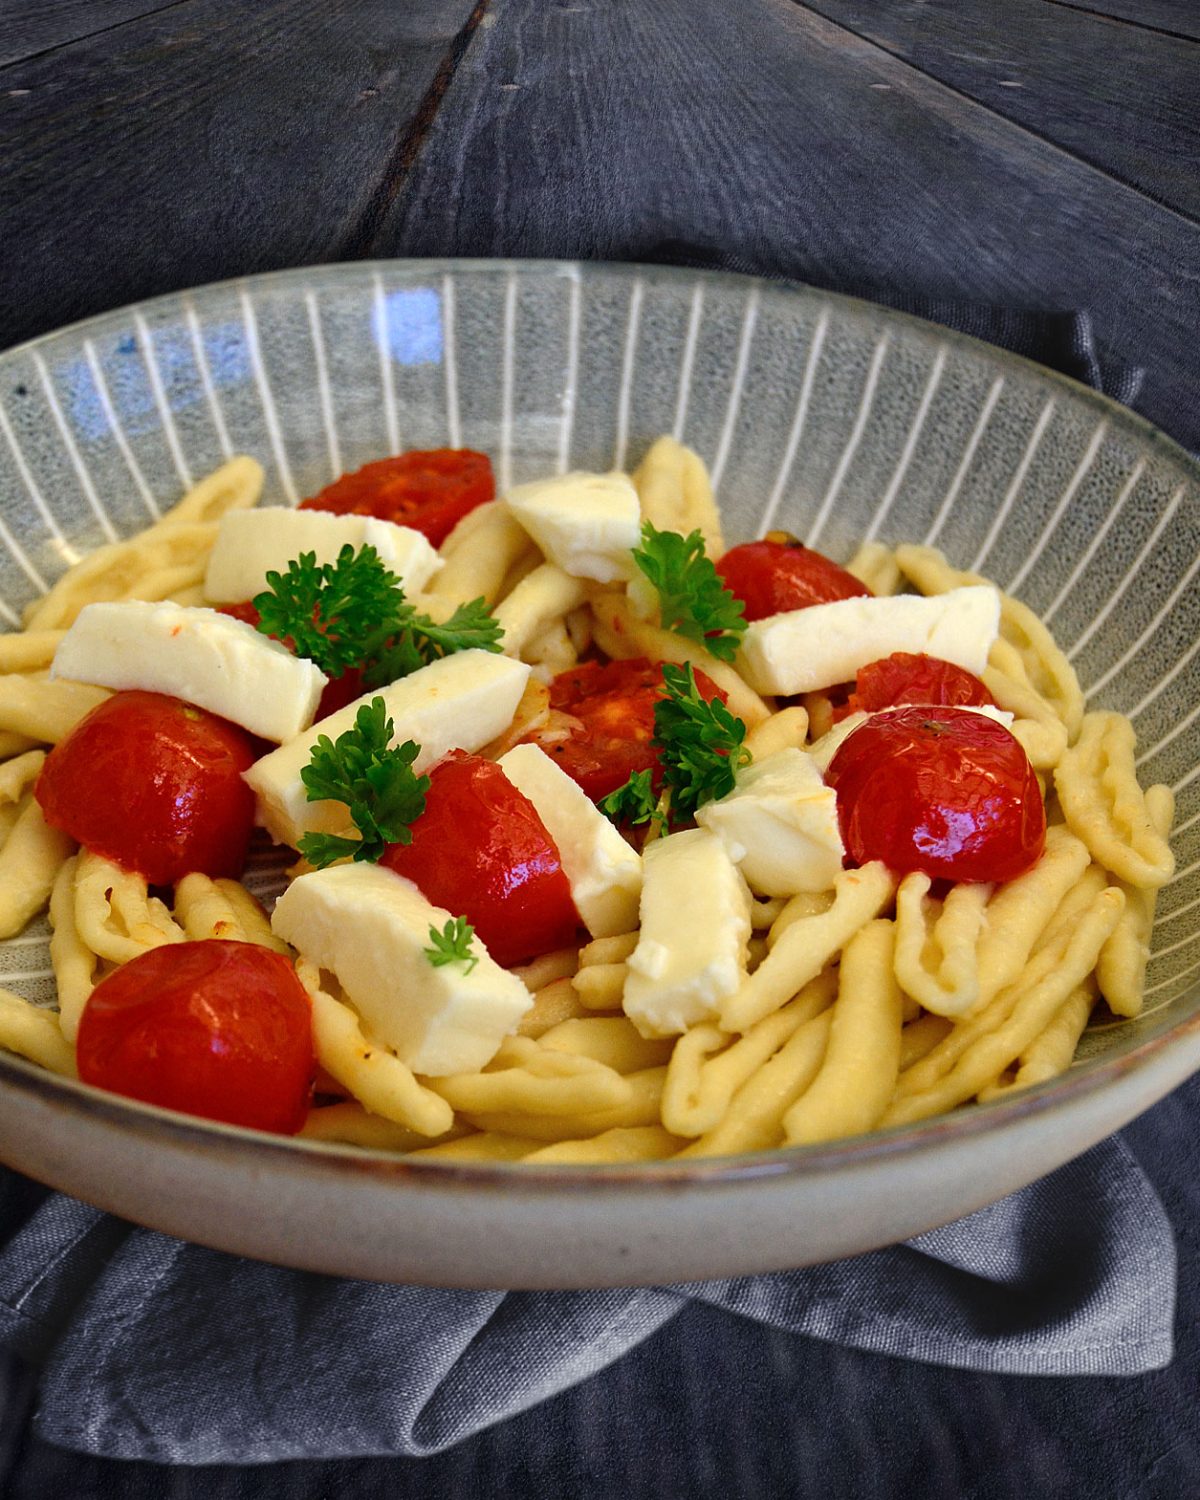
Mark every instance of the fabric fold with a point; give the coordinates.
(169, 1352)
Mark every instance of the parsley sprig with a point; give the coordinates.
(353, 613)
(700, 745)
(695, 602)
(374, 778)
(452, 945)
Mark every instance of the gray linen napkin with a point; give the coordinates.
(154, 1349)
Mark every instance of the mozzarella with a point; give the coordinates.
(252, 543)
(804, 650)
(371, 928)
(822, 751)
(459, 702)
(586, 523)
(604, 873)
(209, 659)
(780, 825)
(695, 931)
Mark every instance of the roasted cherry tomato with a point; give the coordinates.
(431, 492)
(941, 790)
(905, 677)
(779, 573)
(155, 785)
(480, 850)
(337, 692)
(222, 1030)
(609, 721)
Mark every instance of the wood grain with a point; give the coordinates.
(1171, 17)
(191, 145)
(817, 153)
(34, 26)
(1123, 98)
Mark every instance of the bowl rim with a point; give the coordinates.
(181, 1131)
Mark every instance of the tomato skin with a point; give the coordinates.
(941, 790)
(480, 850)
(613, 709)
(213, 1028)
(430, 491)
(155, 785)
(780, 574)
(906, 677)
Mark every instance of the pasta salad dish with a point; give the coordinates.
(606, 841)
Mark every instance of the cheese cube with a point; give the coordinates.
(604, 873)
(692, 948)
(824, 749)
(780, 825)
(370, 927)
(206, 658)
(804, 650)
(252, 543)
(586, 523)
(460, 702)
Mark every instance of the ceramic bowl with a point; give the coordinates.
(831, 418)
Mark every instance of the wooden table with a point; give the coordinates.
(1032, 153)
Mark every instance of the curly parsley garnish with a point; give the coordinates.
(695, 602)
(353, 613)
(373, 778)
(452, 945)
(700, 751)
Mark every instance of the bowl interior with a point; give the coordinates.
(832, 419)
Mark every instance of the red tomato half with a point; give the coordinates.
(336, 693)
(612, 709)
(222, 1030)
(430, 491)
(155, 785)
(907, 678)
(480, 850)
(779, 573)
(940, 790)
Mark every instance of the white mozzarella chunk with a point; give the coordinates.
(252, 543)
(695, 931)
(206, 658)
(804, 650)
(371, 927)
(780, 825)
(604, 873)
(458, 703)
(586, 523)
(822, 751)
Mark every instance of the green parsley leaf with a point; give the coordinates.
(700, 752)
(634, 802)
(373, 778)
(353, 613)
(700, 742)
(695, 602)
(452, 945)
(423, 640)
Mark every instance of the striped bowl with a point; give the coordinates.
(834, 419)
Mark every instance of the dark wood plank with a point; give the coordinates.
(1121, 97)
(587, 129)
(38, 25)
(196, 144)
(1172, 17)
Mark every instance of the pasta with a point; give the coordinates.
(876, 1000)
